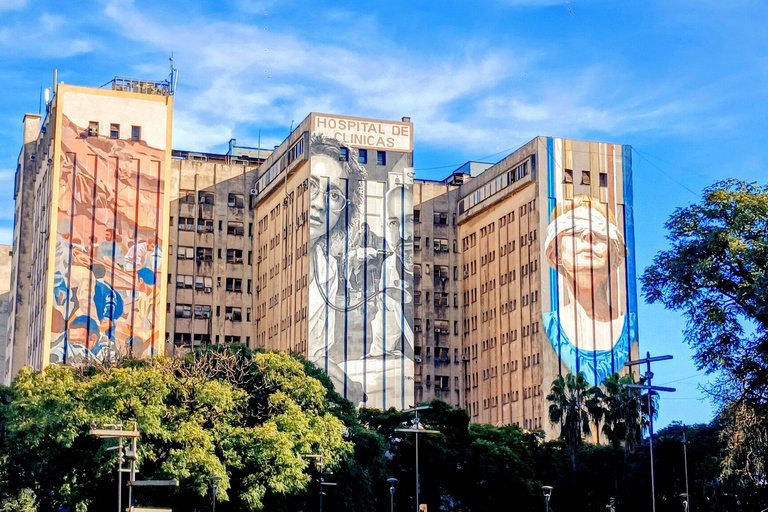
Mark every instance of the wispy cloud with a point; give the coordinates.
(47, 36)
(12, 5)
(238, 78)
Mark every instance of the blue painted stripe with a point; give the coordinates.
(554, 293)
(629, 234)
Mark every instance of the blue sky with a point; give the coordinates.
(682, 81)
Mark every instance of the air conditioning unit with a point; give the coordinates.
(254, 191)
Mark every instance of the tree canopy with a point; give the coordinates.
(248, 419)
(716, 273)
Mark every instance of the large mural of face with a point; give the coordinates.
(361, 276)
(592, 322)
(108, 248)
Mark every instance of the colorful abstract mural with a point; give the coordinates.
(109, 239)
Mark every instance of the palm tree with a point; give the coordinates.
(569, 399)
(626, 417)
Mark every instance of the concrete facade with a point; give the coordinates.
(477, 290)
(437, 280)
(210, 259)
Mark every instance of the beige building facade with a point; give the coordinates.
(477, 290)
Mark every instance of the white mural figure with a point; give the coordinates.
(334, 188)
(590, 328)
(392, 333)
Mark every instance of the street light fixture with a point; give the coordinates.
(392, 486)
(319, 464)
(416, 429)
(547, 490)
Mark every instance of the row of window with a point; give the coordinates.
(440, 299)
(114, 130)
(203, 197)
(234, 256)
(202, 311)
(441, 326)
(206, 226)
(586, 178)
(187, 339)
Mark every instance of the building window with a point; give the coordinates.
(205, 197)
(234, 285)
(135, 132)
(441, 218)
(231, 339)
(343, 154)
(204, 284)
(235, 201)
(235, 228)
(202, 311)
(186, 224)
(441, 245)
(568, 176)
(362, 156)
(234, 256)
(183, 311)
(585, 180)
(183, 281)
(603, 179)
(381, 158)
(114, 131)
(204, 226)
(186, 253)
(187, 196)
(93, 128)
(204, 254)
(233, 314)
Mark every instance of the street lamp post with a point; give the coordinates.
(319, 463)
(215, 489)
(392, 486)
(417, 429)
(547, 490)
(651, 389)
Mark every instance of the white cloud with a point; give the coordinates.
(238, 78)
(48, 36)
(12, 5)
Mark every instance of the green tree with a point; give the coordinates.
(570, 404)
(247, 418)
(623, 422)
(716, 273)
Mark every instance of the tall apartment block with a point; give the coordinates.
(478, 290)
(548, 272)
(210, 254)
(437, 280)
(91, 226)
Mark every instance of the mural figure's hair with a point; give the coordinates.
(146, 275)
(349, 220)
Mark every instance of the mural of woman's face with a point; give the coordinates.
(584, 251)
(327, 186)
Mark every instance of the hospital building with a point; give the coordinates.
(478, 289)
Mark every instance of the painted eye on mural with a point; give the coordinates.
(393, 223)
(336, 201)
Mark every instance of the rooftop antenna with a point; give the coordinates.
(291, 125)
(174, 76)
(40, 102)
